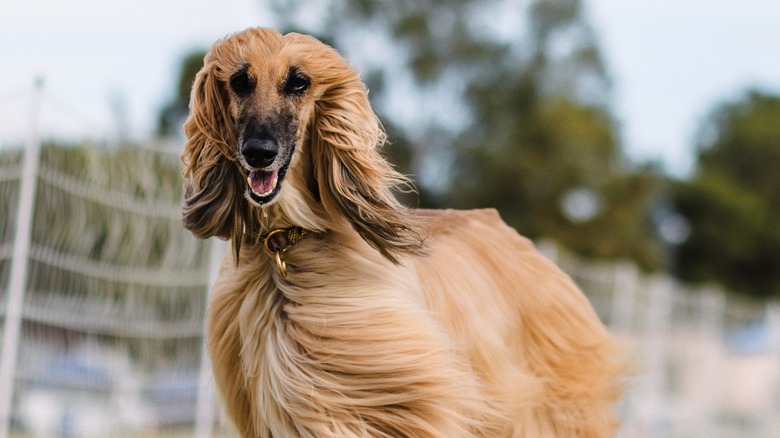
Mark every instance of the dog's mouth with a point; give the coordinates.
(262, 183)
(265, 184)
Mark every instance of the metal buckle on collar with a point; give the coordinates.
(278, 241)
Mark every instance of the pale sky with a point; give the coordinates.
(671, 61)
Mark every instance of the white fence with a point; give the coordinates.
(707, 363)
(102, 301)
(105, 338)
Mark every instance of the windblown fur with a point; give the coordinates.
(390, 322)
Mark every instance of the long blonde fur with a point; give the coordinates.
(390, 322)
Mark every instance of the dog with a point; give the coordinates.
(338, 312)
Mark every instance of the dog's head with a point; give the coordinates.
(283, 123)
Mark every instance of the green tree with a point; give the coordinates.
(544, 142)
(508, 107)
(733, 202)
(173, 114)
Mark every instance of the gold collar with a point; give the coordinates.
(277, 242)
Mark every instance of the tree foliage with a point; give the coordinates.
(508, 107)
(733, 202)
(173, 114)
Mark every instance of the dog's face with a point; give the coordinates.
(270, 111)
(269, 102)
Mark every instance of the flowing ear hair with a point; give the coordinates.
(213, 183)
(354, 180)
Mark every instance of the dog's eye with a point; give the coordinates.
(296, 82)
(241, 83)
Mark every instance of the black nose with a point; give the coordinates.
(259, 153)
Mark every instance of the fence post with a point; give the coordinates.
(708, 360)
(204, 411)
(772, 317)
(624, 293)
(655, 355)
(18, 281)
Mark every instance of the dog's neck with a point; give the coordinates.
(276, 243)
(294, 208)
(274, 228)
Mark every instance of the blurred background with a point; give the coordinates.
(638, 143)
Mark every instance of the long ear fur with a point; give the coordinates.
(213, 183)
(354, 180)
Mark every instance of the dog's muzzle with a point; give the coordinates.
(260, 154)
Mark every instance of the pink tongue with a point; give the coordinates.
(262, 182)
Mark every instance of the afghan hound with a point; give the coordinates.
(338, 312)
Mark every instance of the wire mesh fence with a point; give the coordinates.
(110, 334)
(110, 337)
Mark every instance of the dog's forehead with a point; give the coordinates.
(270, 59)
(271, 65)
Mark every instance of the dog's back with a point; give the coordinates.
(546, 362)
